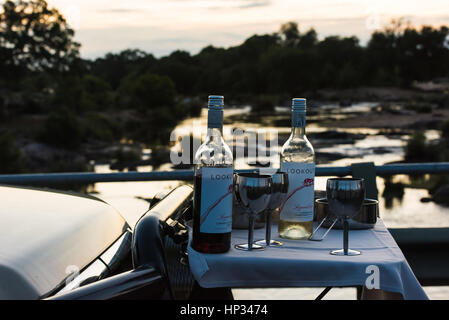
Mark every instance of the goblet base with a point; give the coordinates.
(245, 247)
(341, 252)
(273, 243)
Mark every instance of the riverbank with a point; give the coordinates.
(391, 112)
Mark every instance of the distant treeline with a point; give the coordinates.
(292, 62)
(285, 62)
(134, 96)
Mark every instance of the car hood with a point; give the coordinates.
(46, 235)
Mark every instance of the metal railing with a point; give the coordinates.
(187, 175)
(425, 249)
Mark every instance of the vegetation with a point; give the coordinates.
(34, 38)
(132, 96)
(418, 149)
(10, 156)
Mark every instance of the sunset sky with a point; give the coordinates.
(161, 26)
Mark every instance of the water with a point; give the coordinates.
(400, 212)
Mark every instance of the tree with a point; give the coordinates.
(114, 67)
(401, 53)
(34, 37)
(290, 34)
(147, 92)
(340, 60)
(181, 68)
(83, 93)
(62, 129)
(10, 155)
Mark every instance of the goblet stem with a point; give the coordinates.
(251, 231)
(268, 228)
(345, 236)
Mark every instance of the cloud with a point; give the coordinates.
(239, 4)
(154, 40)
(255, 3)
(118, 10)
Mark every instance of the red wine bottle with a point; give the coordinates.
(213, 184)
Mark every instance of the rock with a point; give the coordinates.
(381, 150)
(345, 103)
(43, 158)
(38, 151)
(334, 134)
(442, 195)
(324, 157)
(426, 124)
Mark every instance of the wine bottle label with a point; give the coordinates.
(216, 200)
(298, 204)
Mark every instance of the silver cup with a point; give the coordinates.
(253, 192)
(345, 197)
(279, 190)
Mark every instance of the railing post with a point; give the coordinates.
(367, 171)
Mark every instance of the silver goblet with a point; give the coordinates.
(279, 189)
(253, 192)
(345, 197)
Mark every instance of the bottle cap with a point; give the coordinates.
(299, 104)
(215, 113)
(215, 102)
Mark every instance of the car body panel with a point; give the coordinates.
(46, 235)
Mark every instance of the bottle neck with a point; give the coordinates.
(214, 121)
(215, 132)
(298, 124)
(298, 132)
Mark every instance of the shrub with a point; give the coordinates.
(101, 128)
(62, 129)
(264, 104)
(420, 107)
(147, 91)
(445, 130)
(81, 94)
(10, 155)
(417, 149)
(2, 109)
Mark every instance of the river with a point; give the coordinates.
(403, 210)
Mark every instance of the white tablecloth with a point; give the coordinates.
(302, 263)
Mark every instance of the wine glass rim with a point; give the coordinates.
(366, 201)
(346, 179)
(253, 175)
(279, 172)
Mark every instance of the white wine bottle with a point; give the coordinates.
(212, 202)
(298, 160)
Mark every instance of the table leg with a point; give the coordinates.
(200, 293)
(377, 294)
(345, 237)
(323, 293)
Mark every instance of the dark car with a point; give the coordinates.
(59, 245)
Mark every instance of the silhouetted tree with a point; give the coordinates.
(147, 92)
(401, 54)
(114, 67)
(34, 37)
(182, 68)
(83, 93)
(289, 33)
(63, 129)
(10, 155)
